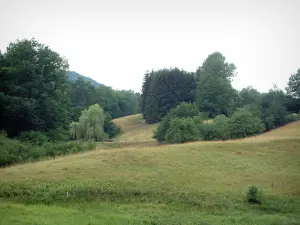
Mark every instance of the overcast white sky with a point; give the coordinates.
(115, 42)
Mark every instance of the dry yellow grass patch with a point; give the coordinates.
(134, 128)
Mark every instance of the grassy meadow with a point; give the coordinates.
(134, 129)
(193, 183)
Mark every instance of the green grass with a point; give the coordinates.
(194, 183)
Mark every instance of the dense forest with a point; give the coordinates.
(185, 101)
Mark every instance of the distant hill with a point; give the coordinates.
(74, 76)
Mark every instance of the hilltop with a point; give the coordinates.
(72, 75)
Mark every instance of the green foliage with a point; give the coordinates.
(72, 76)
(274, 109)
(183, 110)
(215, 94)
(182, 130)
(14, 151)
(207, 132)
(58, 134)
(163, 90)
(90, 125)
(292, 118)
(33, 88)
(221, 127)
(247, 96)
(254, 195)
(110, 127)
(34, 137)
(243, 124)
(293, 88)
(117, 103)
(162, 128)
(216, 130)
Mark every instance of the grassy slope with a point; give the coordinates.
(135, 129)
(171, 184)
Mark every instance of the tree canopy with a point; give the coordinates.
(33, 88)
(215, 94)
(163, 90)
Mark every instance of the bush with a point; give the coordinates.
(243, 124)
(162, 129)
(111, 128)
(221, 127)
(207, 131)
(182, 130)
(254, 195)
(292, 118)
(14, 151)
(34, 137)
(216, 130)
(58, 134)
(183, 110)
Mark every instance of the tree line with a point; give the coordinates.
(208, 94)
(36, 94)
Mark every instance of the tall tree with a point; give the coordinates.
(33, 88)
(163, 90)
(274, 109)
(215, 94)
(293, 91)
(293, 88)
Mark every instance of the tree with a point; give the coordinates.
(293, 88)
(163, 90)
(127, 101)
(215, 94)
(243, 124)
(34, 92)
(293, 92)
(248, 96)
(90, 125)
(274, 109)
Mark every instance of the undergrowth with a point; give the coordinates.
(14, 151)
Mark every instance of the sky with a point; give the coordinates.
(116, 42)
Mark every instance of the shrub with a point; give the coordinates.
(207, 131)
(243, 124)
(58, 134)
(182, 130)
(14, 151)
(216, 130)
(254, 195)
(162, 129)
(292, 118)
(34, 137)
(111, 128)
(183, 110)
(221, 127)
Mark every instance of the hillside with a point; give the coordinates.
(134, 128)
(74, 76)
(194, 183)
